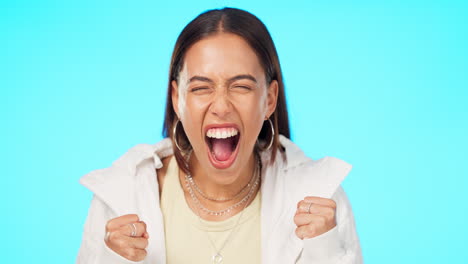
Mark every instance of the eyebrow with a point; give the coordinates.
(230, 80)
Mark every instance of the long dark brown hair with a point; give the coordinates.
(255, 33)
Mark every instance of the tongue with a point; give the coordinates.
(222, 148)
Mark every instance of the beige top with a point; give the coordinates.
(186, 236)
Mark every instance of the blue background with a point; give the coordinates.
(381, 85)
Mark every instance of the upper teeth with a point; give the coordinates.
(221, 132)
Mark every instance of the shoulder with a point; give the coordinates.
(128, 163)
(141, 152)
(302, 175)
(114, 181)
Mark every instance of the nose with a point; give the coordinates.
(221, 106)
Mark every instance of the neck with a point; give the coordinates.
(223, 184)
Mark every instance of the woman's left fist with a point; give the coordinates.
(314, 216)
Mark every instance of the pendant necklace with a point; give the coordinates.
(217, 258)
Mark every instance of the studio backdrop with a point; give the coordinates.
(381, 85)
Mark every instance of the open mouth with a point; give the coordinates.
(223, 145)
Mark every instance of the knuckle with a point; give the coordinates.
(111, 237)
(132, 217)
(329, 214)
(108, 225)
(321, 220)
(121, 243)
(298, 232)
(141, 255)
(141, 243)
(299, 204)
(297, 218)
(333, 204)
(311, 229)
(137, 218)
(303, 205)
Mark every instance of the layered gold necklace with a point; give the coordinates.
(217, 257)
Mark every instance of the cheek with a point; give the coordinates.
(252, 105)
(252, 114)
(194, 108)
(193, 118)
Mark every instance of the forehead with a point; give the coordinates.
(222, 56)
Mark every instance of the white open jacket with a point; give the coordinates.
(130, 186)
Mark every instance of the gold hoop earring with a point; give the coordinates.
(174, 135)
(272, 136)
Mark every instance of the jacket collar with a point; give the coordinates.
(113, 184)
(135, 156)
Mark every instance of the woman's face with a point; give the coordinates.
(222, 100)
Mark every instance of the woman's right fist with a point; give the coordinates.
(127, 236)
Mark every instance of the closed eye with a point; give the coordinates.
(243, 87)
(199, 89)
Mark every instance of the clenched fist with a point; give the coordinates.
(314, 216)
(127, 236)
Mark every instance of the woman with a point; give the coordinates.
(226, 185)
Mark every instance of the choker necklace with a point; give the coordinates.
(224, 211)
(202, 194)
(217, 258)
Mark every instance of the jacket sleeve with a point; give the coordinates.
(93, 249)
(340, 245)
